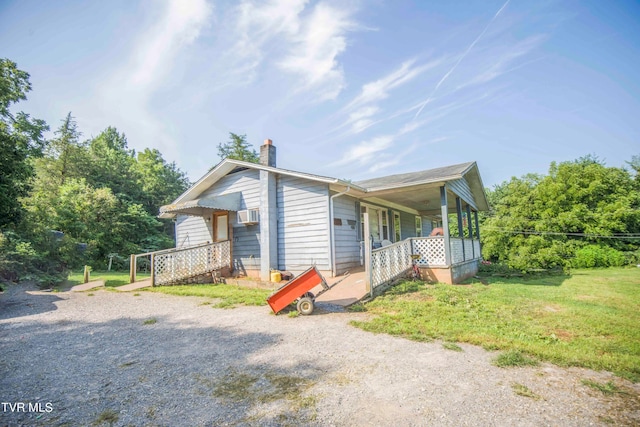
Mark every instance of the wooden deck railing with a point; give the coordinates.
(175, 265)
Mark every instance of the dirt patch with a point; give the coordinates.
(563, 335)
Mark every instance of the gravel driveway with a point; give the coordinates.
(107, 358)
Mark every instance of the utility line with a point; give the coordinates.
(629, 236)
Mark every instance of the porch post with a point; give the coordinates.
(444, 210)
(473, 248)
(460, 230)
(475, 213)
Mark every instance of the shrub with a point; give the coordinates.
(23, 260)
(591, 256)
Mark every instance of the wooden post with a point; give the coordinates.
(460, 230)
(230, 235)
(444, 209)
(153, 270)
(132, 269)
(469, 223)
(86, 274)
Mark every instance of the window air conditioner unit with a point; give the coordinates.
(249, 216)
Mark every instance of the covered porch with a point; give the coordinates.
(449, 248)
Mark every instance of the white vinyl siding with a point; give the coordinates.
(246, 181)
(407, 225)
(192, 230)
(303, 217)
(246, 241)
(346, 234)
(461, 188)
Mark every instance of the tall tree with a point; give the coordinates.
(21, 138)
(581, 208)
(112, 164)
(160, 182)
(68, 152)
(238, 148)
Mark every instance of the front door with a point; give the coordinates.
(220, 226)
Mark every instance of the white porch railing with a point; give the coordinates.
(181, 264)
(464, 250)
(178, 264)
(389, 263)
(392, 262)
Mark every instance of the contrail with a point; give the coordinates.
(466, 52)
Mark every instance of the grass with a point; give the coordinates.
(266, 387)
(514, 358)
(523, 390)
(588, 319)
(451, 346)
(151, 321)
(111, 278)
(107, 416)
(228, 295)
(608, 388)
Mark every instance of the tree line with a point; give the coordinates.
(70, 201)
(581, 214)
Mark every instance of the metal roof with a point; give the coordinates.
(226, 202)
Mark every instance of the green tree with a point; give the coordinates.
(237, 148)
(66, 148)
(65, 157)
(548, 221)
(21, 138)
(160, 182)
(112, 165)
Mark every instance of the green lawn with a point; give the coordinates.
(227, 295)
(111, 278)
(590, 318)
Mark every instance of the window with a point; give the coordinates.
(385, 225)
(396, 226)
(418, 226)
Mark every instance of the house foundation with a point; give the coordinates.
(450, 275)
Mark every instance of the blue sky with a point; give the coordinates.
(350, 89)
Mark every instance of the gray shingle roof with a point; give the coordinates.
(421, 177)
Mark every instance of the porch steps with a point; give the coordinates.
(88, 286)
(146, 283)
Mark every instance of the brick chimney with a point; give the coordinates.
(268, 154)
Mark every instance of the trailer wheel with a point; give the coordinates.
(305, 306)
(309, 295)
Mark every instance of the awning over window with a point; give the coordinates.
(202, 207)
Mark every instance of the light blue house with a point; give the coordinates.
(257, 217)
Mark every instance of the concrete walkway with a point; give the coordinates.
(349, 291)
(134, 286)
(88, 286)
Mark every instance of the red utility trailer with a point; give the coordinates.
(299, 289)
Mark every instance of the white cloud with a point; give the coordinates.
(124, 98)
(315, 50)
(364, 106)
(364, 152)
(257, 25)
(300, 40)
(179, 25)
(503, 61)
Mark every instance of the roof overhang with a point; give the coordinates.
(419, 193)
(201, 207)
